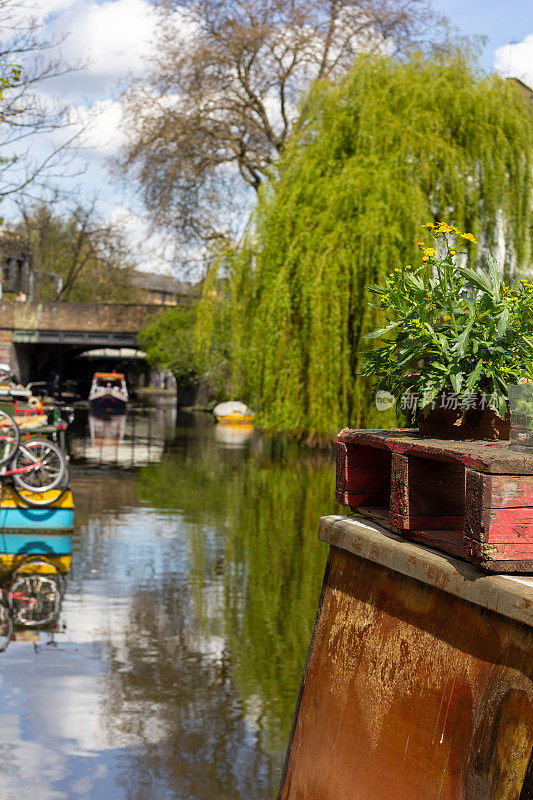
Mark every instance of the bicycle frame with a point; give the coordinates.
(5, 472)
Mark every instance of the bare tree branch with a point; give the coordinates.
(25, 109)
(223, 94)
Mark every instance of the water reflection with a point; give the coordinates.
(123, 440)
(193, 591)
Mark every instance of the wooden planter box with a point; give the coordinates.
(470, 499)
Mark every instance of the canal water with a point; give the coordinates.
(175, 664)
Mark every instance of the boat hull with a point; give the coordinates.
(38, 543)
(107, 404)
(37, 563)
(235, 419)
(15, 516)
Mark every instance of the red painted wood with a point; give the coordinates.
(499, 551)
(447, 494)
(426, 494)
(451, 541)
(357, 499)
(507, 525)
(508, 491)
(437, 523)
(490, 457)
(363, 475)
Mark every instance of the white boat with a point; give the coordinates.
(108, 392)
(233, 412)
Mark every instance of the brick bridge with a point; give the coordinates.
(35, 338)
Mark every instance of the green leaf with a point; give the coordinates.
(478, 279)
(456, 379)
(415, 281)
(381, 331)
(503, 323)
(472, 379)
(461, 344)
(495, 276)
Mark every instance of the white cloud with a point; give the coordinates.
(150, 250)
(516, 60)
(103, 130)
(113, 39)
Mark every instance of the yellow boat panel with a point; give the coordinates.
(10, 499)
(50, 566)
(236, 419)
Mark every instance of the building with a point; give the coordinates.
(155, 289)
(16, 266)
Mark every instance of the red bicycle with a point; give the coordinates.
(36, 467)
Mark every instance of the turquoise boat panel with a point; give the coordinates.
(25, 517)
(38, 543)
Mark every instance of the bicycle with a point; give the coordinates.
(37, 466)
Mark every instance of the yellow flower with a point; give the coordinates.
(425, 258)
(468, 236)
(420, 244)
(430, 251)
(452, 251)
(444, 227)
(428, 225)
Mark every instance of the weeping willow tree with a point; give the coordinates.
(374, 156)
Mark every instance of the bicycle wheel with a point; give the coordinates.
(34, 600)
(39, 499)
(43, 466)
(9, 437)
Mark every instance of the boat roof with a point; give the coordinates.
(108, 375)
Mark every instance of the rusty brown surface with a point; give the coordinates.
(410, 693)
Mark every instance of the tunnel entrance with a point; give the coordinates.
(67, 370)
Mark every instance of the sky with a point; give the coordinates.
(112, 40)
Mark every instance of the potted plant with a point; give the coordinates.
(455, 338)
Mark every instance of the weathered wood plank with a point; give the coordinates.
(487, 552)
(437, 523)
(363, 475)
(451, 541)
(498, 525)
(491, 457)
(510, 596)
(507, 491)
(426, 494)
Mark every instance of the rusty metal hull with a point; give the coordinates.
(410, 692)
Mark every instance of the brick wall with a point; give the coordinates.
(75, 317)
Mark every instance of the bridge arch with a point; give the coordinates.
(39, 338)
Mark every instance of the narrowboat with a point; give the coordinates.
(108, 393)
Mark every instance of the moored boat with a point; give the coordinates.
(233, 412)
(108, 392)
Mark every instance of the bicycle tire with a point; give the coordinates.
(38, 500)
(34, 600)
(35, 501)
(9, 433)
(49, 451)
